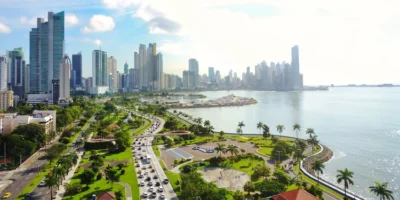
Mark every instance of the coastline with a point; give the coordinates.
(324, 156)
(213, 106)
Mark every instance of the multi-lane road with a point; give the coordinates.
(144, 166)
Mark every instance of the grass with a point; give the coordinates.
(130, 178)
(172, 177)
(309, 180)
(126, 155)
(142, 128)
(198, 139)
(246, 165)
(156, 150)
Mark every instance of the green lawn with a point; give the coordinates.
(198, 139)
(142, 128)
(246, 165)
(130, 178)
(173, 178)
(156, 150)
(126, 155)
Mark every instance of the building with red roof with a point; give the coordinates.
(298, 194)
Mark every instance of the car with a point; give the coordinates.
(153, 194)
(148, 178)
(152, 170)
(137, 165)
(141, 176)
(151, 189)
(139, 148)
(142, 144)
(144, 150)
(157, 183)
(144, 195)
(28, 196)
(196, 148)
(141, 183)
(144, 167)
(160, 189)
(6, 195)
(166, 181)
(139, 142)
(162, 196)
(146, 173)
(150, 184)
(42, 183)
(155, 177)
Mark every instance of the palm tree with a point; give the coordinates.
(207, 123)
(210, 129)
(220, 149)
(317, 166)
(297, 127)
(239, 131)
(380, 190)
(232, 149)
(59, 172)
(259, 126)
(199, 120)
(241, 125)
(249, 187)
(310, 131)
(221, 134)
(345, 176)
(313, 141)
(280, 128)
(51, 180)
(298, 155)
(74, 158)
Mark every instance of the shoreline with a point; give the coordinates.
(212, 106)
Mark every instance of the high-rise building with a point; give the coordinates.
(194, 68)
(89, 82)
(6, 99)
(218, 76)
(17, 82)
(112, 69)
(131, 81)
(159, 71)
(185, 79)
(3, 73)
(65, 70)
(27, 67)
(151, 66)
(211, 74)
(126, 68)
(142, 66)
(99, 69)
(46, 52)
(13, 54)
(137, 70)
(76, 72)
(295, 65)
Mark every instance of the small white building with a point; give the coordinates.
(46, 118)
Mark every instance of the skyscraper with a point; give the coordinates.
(211, 74)
(137, 71)
(194, 67)
(131, 81)
(295, 65)
(142, 66)
(159, 71)
(13, 54)
(112, 69)
(3, 73)
(76, 73)
(99, 69)
(17, 81)
(65, 70)
(46, 52)
(126, 68)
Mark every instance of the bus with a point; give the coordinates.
(148, 159)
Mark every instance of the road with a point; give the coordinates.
(147, 149)
(43, 193)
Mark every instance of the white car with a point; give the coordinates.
(160, 189)
(42, 183)
(162, 196)
(151, 189)
(141, 183)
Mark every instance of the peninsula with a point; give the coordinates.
(230, 100)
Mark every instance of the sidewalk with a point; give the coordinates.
(68, 177)
(128, 191)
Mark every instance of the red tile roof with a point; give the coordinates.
(106, 196)
(298, 194)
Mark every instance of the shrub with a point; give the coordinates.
(95, 168)
(64, 140)
(122, 171)
(99, 176)
(120, 166)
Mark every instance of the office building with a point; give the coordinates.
(142, 66)
(55, 95)
(6, 99)
(99, 69)
(150, 69)
(27, 67)
(17, 81)
(112, 69)
(76, 72)
(3, 73)
(185, 79)
(194, 68)
(137, 70)
(131, 75)
(88, 82)
(46, 52)
(65, 69)
(211, 74)
(159, 71)
(295, 67)
(126, 68)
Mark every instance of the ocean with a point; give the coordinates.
(360, 125)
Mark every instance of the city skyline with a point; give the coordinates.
(334, 41)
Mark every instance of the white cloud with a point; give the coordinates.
(31, 22)
(97, 42)
(119, 4)
(71, 20)
(4, 29)
(337, 39)
(99, 23)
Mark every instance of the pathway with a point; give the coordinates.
(128, 191)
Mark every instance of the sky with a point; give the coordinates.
(340, 42)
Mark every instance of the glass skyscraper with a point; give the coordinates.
(76, 72)
(100, 69)
(46, 52)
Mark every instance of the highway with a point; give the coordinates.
(168, 191)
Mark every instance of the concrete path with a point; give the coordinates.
(61, 191)
(128, 191)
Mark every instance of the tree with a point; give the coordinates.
(345, 176)
(112, 175)
(298, 155)
(207, 123)
(380, 190)
(239, 131)
(119, 195)
(316, 191)
(55, 151)
(59, 172)
(221, 134)
(280, 128)
(123, 140)
(313, 141)
(266, 132)
(281, 177)
(310, 131)
(261, 171)
(269, 187)
(220, 149)
(296, 127)
(87, 177)
(259, 126)
(32, 132)
(249, 187)
(51, 181)
(72, 189)
(241, 125)
(317, 166)
(232, 149)
(238, 195)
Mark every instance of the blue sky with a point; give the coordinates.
(340, 41)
